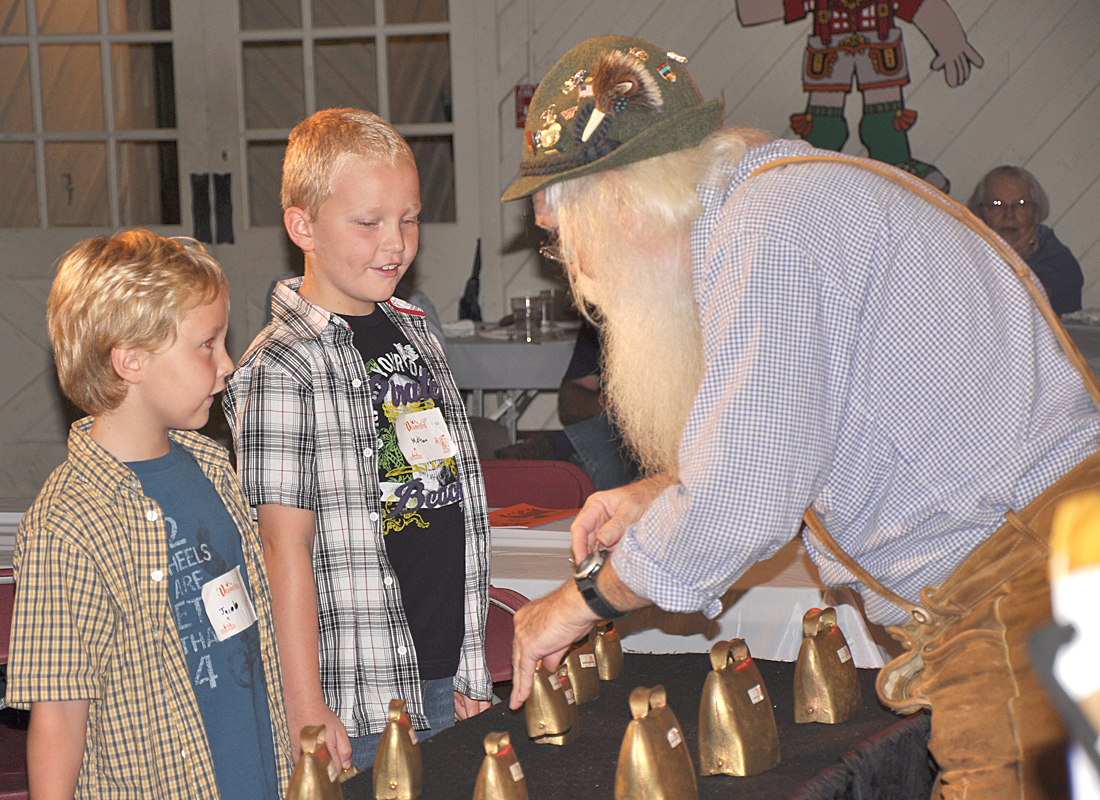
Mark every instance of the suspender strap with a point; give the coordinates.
(817, 527)
(1022, 272)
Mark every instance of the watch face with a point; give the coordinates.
(592, 562)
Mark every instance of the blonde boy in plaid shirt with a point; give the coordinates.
(377, 543)
(142, 638)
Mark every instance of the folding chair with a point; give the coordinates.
(546, 484)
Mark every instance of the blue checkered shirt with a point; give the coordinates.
(300, 409)
(869, 355)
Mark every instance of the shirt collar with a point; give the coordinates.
(107, 474)
(305, 319)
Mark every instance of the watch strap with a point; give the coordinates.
(596, 601)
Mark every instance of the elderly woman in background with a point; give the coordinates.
(1013, 204)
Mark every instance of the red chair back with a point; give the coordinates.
(546, 484)
(7, 608)
(13, 755)
(499, 628)
(13, 729)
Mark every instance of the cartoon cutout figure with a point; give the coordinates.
(858, 38)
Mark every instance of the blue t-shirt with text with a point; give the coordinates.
(227, 677)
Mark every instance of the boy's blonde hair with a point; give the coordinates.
(320, 144)
(128, 290)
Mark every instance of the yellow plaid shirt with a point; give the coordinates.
(93, 620)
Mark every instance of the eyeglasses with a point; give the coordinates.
(551, 252)
(1002, 206)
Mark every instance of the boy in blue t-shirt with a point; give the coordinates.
(142, 639)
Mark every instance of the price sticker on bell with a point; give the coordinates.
(844, 654)
(756, 694)
(674, 737)
(588, 660)
(517, 772)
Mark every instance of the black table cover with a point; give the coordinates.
(877, 754)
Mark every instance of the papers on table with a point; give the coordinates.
(524, 515)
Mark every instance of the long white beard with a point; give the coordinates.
(652, 350)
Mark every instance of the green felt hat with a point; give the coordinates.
(610, 101)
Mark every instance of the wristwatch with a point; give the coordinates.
(585, 576)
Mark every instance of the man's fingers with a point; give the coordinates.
(553, 661)
(523, 672)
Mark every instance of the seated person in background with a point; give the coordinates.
(1012, 203)
(589, 439)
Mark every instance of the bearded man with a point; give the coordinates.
(827, 338)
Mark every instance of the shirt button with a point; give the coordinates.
(402, 650)
(183, 754)
(356, 383)
(157, 575)
(151, 515)
(374, 516)
(388, 581)
(367, 453)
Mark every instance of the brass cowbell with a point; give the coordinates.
(398, 770)
(315, 777)
(609, 652)
(826, 686)
(551, 710)
(737, 732)
(654, 762)
(501, 777)
(584, 675)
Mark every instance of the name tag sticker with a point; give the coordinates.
(423, 437)
(227, 605)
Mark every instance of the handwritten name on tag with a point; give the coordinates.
(423, 437)
(227, 604)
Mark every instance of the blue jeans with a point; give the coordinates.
(439, 708)
(600, 452)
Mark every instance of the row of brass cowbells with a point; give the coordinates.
(737, 729)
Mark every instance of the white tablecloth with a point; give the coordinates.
(494, 363)
(764, 607)
(517, 370)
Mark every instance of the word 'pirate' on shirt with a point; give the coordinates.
(424, 526)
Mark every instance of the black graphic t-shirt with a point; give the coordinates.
(424, 525)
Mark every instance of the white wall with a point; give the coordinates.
(1036, 103)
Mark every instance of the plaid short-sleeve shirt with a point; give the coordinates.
(300, 408)
(94, 620)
